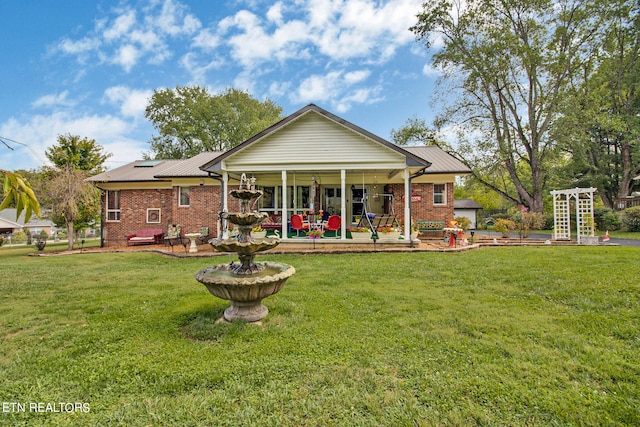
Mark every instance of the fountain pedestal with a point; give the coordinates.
(246, 283)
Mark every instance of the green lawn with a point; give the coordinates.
(500, 336)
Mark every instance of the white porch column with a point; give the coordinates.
(407, 204)
(225, 201)
(343, 204)
(285, 222)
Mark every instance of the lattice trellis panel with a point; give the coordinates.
(585, 226)
(561, 217)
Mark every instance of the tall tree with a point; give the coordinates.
(190, 121)
(80, 153)
(601, 126)
(509, 64)
(74, 201)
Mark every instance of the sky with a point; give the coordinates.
(88, 68)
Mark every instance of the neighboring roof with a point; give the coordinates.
(412, 159)
(441, 161)
(465, 204)
(155, 170)
(9, 215)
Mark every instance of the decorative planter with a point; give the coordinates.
(389, 237)
(361, 236)
(258, 234)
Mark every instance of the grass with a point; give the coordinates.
(498, 336)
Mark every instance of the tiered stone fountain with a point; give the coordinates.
(247, 282)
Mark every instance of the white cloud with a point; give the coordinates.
(353, 77)
(274, 13)
(206, 40)
(319, 88)
(132, 103)
(173, 20)
(121, 26)
(431, 71)
(125, 40)
(341, 89)
(41, 132)
(53, 100)
(127, 56)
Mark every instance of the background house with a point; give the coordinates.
(467, 208)
(9, 224)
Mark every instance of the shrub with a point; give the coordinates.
(463, 222)
(631, 219)
(19, 237)
(43, 235)
(549, 222)
(607, 219)
(504, 226)
(3, 240)
(528, 221)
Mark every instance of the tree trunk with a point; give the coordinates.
(70, 235)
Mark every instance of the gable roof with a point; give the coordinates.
(411, 159)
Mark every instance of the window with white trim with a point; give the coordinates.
(113, 205)
(184, 194)
(439, 194)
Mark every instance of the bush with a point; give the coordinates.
(3, 240)
(19, 237)
(43, 235)
(528, 221)
(549, 222)
(607, 219)
(463, 222)
(504, 226)
(631, 219)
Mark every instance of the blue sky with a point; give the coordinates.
(88, 67)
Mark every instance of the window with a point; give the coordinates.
(113, 205)
(439, 194)
(183, 196)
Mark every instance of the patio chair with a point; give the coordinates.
(173, 235)
(333, 224)
(297, 223)
(204, 235)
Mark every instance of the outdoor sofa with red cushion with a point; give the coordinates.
(146, 236)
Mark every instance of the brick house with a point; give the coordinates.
(312, 159)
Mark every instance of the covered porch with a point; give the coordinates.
(359, 198)
(315, 164)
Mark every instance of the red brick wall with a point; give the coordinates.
(205, 205)
(202, 212)
(423, 210)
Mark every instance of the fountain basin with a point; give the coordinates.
(247, 219)
(245, 292)
(244, 248)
